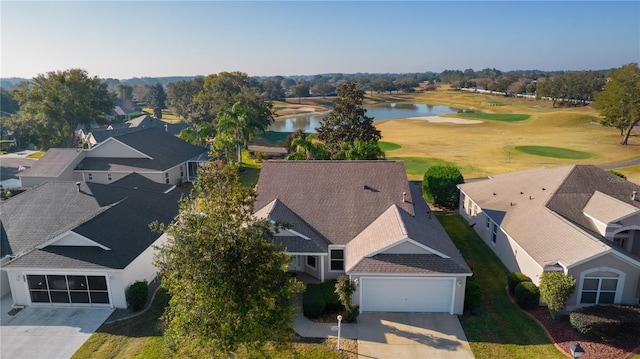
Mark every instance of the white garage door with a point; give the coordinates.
(406, 294)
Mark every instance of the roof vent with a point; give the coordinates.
(634, 194)
(78, 185)
(404, 196)
(366, 187)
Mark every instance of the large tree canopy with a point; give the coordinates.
(228, 282)
(619, 103)
(180, 95)
(347, 121)
(54, 104)
(221, 91)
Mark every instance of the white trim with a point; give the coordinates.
(408, 239)
(633, 227)
(344, 258)
(617, 253)
(59, 237)
(305, 254)
(619, 288)
(170, 189)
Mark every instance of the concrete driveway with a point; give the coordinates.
(36, 333)
(411, 336)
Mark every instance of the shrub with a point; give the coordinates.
(344, 288)
(137, 295)
(330, 296)
(527, 295)
(313, 303)
(515, 278)
(606, 321)
(555, 289)
(616, 173)
(439, 186)
(352, 313)
(472, 294)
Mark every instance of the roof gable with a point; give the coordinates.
(337, 198)
(71, 239)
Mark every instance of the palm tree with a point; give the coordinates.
(359, 150)
(198, 134)
(237, 122)
(307, 148)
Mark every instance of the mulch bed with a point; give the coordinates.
(563, 335)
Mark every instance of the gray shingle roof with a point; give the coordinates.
(165, 149)
(54, 161)
(116, 216)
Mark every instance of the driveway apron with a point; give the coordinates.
(411, 336)
(47, 332)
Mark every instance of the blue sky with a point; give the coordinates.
(124, 39)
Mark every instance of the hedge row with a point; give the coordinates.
(515, 278)
(606, 321)
(527, 295)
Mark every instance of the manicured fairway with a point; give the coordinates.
(388, 146)
(556, 152)
(504, 117)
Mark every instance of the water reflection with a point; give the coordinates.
(308, 123)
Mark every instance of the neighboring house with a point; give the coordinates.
(121, 111)
(97, 135)
(149, 151)
(580, 220)
(82, 244)
(364, 219)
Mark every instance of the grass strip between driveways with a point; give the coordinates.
(499, 329)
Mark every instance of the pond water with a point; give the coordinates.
(308, 123)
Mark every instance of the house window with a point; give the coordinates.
(488, 223)
(599, 288)
(463, 199)
(337, 260)
(181, 171)
(311, 261)
(109, 176)
(90, 176)
(494, 234)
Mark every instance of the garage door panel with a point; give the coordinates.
(406, 294)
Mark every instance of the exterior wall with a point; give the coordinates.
(458, 297)
(510, 253)
(328, 273)
(315, 272)
(142, 268)
(4, 278)
(177, 174)
(100, 176)
(112, 148)
(629, 286)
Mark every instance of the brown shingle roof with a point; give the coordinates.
(407, 264)
(338, 199)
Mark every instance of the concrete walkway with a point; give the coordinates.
(397, 335)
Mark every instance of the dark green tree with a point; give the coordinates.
(307, 148)
(439, 186)
(272, 88)
(180, 96)
(300, 89)
(8, 103)
(347, 120)
(156, 98)
(124, 92)
(237, 122)
(230, 291)
(54, 104)
(221, 91)
(322, 88)
(619, 102)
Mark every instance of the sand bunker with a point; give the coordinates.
(440, 119)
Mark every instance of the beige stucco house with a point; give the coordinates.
(579, 219)
(364, 219)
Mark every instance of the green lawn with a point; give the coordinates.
(388, 146)
(416, 166)
(36, 155)
(556, 152)
(502, 117)
(500, 330)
